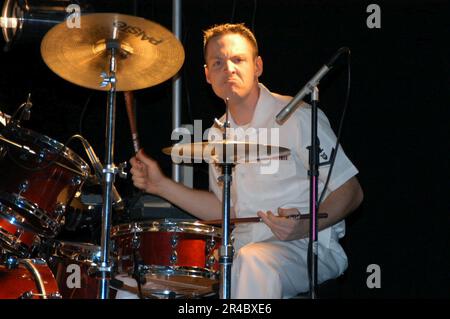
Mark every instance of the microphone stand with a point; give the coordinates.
(313, 174)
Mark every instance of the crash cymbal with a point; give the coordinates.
(224, 152)
(149, 54)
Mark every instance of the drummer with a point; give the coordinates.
(270, 259)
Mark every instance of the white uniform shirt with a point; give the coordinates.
(288, 187)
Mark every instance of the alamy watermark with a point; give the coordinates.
(73, 19)
(374, 19)
(374, 279)
(243, 146)
(74, 279)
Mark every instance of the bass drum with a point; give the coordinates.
(28, 279)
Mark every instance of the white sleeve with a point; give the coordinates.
(214, 185)
(343, 168)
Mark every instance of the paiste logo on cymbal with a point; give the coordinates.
(137, 32)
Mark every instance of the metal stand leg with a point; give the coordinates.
(108, 176)
(226, 250)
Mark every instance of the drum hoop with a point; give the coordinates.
(13, 245)
(190, 271)
(58, 147)
(30, 265)
(49, 226)
(165, 225)
(77, 251)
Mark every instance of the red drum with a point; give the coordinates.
(15, 238)
(38, 179)
(168, 247)
(74, 266)
(31, 279)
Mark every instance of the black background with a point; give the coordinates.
(396, 130)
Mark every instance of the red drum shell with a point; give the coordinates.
(40, 178)
(188, 246)
(18, 282)
(85, 257)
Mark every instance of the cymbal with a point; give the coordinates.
(149, 53)
(224, 152)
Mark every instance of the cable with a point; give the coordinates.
(83, 111)
(336, 147)
(233, 11)
(255, 4)
(58, 154)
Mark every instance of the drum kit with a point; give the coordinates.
(40, 178)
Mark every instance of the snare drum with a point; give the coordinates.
(179, 258)
(38, 179)
(30, 279)
(168, 246)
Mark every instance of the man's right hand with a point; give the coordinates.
(147, 174)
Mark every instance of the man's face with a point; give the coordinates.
(231, 68)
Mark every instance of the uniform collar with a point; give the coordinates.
(263, 111)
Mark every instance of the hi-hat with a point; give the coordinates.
(148, 53)
(224, 152)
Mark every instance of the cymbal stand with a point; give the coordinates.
(109, 170)
(226, 250)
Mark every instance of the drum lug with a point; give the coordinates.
(173, 257)
(41, 156)
(60, 209)
(136, 241)
(210, 262)
(27, 295)
(76, 180)
(174, 244)
(174, 241)
(210, 244)
(12, 262)
(23, 187)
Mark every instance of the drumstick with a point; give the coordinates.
(259, 219)
(132, 119)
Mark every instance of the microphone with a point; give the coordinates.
(26, 109)
(98, 168)
(286, 112)
(22, 112)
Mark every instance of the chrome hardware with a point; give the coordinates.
(41, 156)
(23, 187)
(60, 209)
(30, 294)
(76, 180)
(174, 241)
(173, 257)
(210, 244)
(27, 295)
(210, 262)
(121, 170)
(135, 241)
(11, 262)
